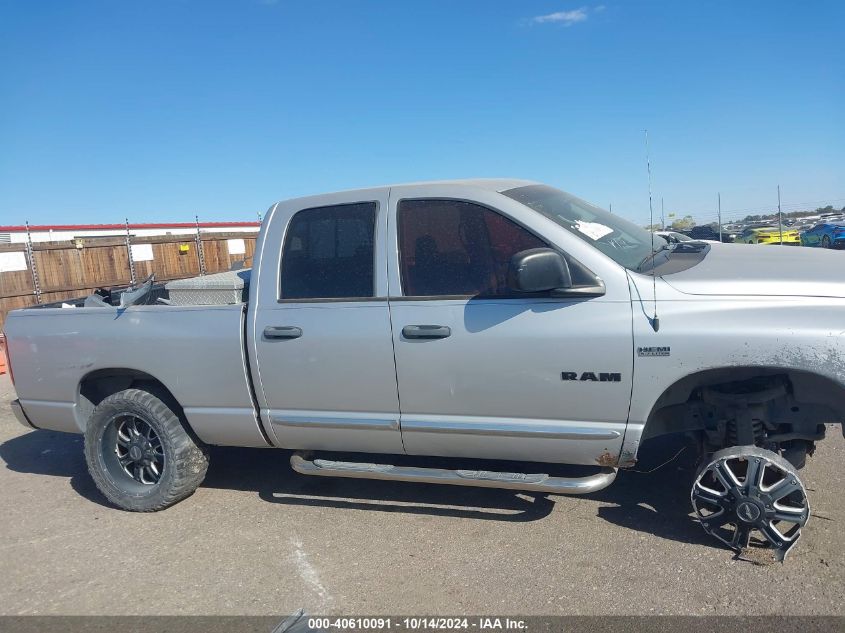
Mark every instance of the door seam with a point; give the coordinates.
(390, 316)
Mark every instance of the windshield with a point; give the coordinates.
(623, 241)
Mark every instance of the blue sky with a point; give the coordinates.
(159, 110)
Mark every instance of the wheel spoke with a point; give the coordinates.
(754, 474)
(708, 491)
(726, 476)
(715, 520)
(785, 488)
(773, 535)
(741, 536)
(790, 517)
(731, 473)
(708, 495)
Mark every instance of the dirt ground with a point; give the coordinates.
(260, 539)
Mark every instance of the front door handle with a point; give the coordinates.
(426, 331)
(282, 331)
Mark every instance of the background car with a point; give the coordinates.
(769, 235)
(707, 233)
(825, 235)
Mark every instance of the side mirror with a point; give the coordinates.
(538, 270)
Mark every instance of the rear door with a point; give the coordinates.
(486, 373)
(322, 327)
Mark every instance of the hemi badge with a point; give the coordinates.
(653, 351)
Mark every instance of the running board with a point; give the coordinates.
(480, 478)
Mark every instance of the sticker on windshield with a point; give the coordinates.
(593, 230)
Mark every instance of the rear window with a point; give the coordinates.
(328, 253)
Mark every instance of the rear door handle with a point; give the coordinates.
(426, 331)
(282, 331)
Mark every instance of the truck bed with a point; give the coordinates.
(196, 352)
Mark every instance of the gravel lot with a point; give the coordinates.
(259, 539)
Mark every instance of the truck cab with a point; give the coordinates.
(369, 299)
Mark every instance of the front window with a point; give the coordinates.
(451, 247)
(623, 241)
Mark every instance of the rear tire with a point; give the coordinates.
(825, 242)
(139, 453)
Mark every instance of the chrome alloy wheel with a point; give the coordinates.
(137, 448)
(748, 497)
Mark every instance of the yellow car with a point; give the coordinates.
(769, 235)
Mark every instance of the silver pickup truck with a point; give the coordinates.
(477, 319)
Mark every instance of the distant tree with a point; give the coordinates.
(683, 224)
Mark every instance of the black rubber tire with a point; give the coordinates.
(186, 458)
(825, 242)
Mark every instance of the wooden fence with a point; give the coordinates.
(66, 270)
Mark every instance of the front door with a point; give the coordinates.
(484, 373)
(325, 356)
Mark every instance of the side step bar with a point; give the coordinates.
(481, 478)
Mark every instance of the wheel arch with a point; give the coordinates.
(97, 385)
(806, 387)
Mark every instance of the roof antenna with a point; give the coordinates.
(655, 321)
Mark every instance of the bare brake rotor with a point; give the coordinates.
(749, 497)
